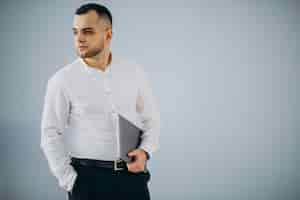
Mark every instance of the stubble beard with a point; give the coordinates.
(91, 53)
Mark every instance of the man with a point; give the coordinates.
(79, 120)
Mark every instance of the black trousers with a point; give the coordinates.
(94, 183)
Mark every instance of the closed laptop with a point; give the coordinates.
(130, 137)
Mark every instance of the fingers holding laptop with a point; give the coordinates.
(139, 160)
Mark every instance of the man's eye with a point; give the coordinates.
(74, 33)
(88, 32)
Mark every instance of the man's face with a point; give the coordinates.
(91, 34)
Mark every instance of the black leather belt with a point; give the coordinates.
(116, 165)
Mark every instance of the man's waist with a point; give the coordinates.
(116, 165)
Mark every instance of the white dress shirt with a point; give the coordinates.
(81, 109)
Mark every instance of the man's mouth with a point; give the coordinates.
(82, 47)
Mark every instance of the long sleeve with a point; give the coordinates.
(54, 120)
(147, 107)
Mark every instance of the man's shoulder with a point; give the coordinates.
(131, 64)
(64, 71)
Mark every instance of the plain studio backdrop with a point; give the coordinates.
(226, 75)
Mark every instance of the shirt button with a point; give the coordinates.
(113, 108)
(114, 114)
(107, 89)
(113, 111)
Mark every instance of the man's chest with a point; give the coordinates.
(93, 94)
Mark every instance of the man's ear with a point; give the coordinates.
(109, 34)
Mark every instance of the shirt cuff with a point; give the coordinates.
(147, 151)
(68, 180)
(71, 185)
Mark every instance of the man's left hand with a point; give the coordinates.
(139, 162)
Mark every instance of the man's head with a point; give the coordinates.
(92, 28)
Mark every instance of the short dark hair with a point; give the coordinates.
(101, 10)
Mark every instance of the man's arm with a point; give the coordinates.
(148, 109)
(54, 119)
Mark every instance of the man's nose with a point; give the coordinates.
(80, 37)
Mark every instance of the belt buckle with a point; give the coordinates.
(116, 165)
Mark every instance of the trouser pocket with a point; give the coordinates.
(74, 185)
(76, 182)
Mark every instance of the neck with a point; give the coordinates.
(100, 61)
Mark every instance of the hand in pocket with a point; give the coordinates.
(74, 185)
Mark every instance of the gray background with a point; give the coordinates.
(225, 74)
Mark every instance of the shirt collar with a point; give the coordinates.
(92, 70)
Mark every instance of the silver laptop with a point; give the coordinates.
(130, 137)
